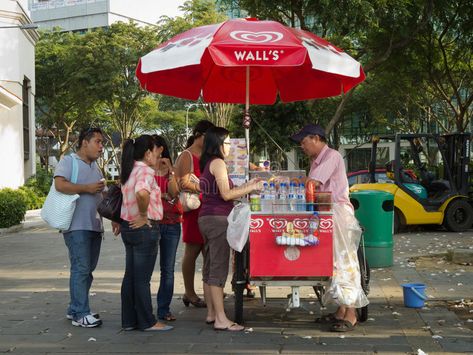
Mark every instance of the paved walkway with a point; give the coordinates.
(34, 293)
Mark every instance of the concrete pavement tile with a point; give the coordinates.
(327, 348)
(456, 345)
(394, 348)
(235, 348)
(157, 348)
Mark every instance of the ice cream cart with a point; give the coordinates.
(292, 249)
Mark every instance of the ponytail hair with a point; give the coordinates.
(133, 150)
(199, 130)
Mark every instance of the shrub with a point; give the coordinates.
(33, 200)
(12, 207)
(40, 182)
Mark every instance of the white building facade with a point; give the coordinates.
(17, 90)
(81, 15)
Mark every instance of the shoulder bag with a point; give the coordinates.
(58, 208)
(111, 205)
(190, 200)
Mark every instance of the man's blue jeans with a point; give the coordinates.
(141, 246)
(170, 235)
(84, 250)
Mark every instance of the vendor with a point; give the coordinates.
(327, 173)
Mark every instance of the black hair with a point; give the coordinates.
(213, 142)
(199, 130)
(87, 134)
(161, 142)
(134, 149)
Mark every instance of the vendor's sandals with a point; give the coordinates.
(342, 326)
(234, 327)
(327, 319)
(168, 317)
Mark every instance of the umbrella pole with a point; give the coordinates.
(247, 119)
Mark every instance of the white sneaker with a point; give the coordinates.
(89, 321)
(71, 317)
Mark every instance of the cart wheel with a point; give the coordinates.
(362, 313)
(239, 283)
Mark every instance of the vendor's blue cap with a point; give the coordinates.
(308, 130)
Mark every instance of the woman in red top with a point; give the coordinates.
(169, 226)
(188, 163)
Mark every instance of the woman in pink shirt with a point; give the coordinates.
(141, 211)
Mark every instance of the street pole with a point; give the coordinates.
(187, 116)
(187, 120)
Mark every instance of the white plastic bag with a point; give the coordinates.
(238, 226)
(58, 208)
(345, 288)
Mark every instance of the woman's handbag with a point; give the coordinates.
(58, 208)
(190, 200)
(238, 226)
(111, 205)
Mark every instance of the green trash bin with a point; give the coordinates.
(374, 210)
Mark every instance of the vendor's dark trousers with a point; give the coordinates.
(141, 246)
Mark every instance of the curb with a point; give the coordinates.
(12, 229)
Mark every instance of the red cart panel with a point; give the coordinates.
(270, 259)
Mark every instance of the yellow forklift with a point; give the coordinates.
(431, 181)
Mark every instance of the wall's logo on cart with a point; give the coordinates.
(326, 224)
(302, 224)
(277, 225)
(256, 224)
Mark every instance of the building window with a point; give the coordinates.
(26, 118)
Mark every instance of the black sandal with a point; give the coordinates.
(198, 303)
(342, 326)
(327, 319)
(168, 317)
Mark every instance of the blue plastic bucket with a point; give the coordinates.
(414, 295)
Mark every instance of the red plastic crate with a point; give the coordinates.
(268, 259)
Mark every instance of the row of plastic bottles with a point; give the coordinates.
(285, 198)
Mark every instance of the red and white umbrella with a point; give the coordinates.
(248, 61)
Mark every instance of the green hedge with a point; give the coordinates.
(33, 200)
(12, 207)
(40, 182)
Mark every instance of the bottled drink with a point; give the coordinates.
(292, 197)
(282, 197)
(301, 197)
(255, 202)
(310, 196)
(264, 199)
(271, 197)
